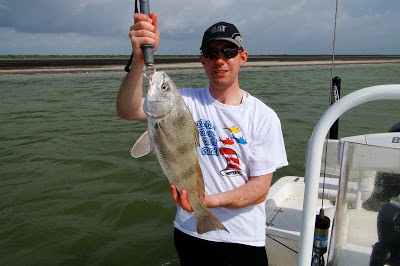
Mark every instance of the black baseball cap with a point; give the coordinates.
(222, 31)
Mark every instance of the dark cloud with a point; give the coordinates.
(268, 26)
(70, 16)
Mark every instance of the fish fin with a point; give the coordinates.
(208, 222)
(196, 134)
(200, 181)
(142, 146)
(205, 220)
(163, 137)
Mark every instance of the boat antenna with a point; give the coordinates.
(334, 40)
(322, 222)
(334, 97)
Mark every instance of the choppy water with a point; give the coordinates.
(70, 192)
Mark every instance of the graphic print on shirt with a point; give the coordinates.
(227, 141)
(208, 136)
(210, 140)
(232, 163)
(232, 159)
(232, 129)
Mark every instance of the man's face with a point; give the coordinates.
(223, 72)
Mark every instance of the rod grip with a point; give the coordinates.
(335, 96)
(147, 48)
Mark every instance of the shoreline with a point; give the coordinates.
(87, 65)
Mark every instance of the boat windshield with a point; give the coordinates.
(366, 227)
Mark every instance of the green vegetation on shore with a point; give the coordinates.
(38, 57)
(195, 57)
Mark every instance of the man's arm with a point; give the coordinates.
(253, 192)
(130, 99)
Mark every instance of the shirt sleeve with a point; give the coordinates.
(267, 152)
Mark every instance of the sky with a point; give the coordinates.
(268, 27)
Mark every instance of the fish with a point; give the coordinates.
(240, 140)
(227, 141)
(172, 134)
(232, 129)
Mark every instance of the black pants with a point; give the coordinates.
(193, 251)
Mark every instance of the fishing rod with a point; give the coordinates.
(335, 83)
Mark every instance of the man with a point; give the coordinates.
(242, 145)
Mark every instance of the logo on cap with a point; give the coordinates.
(218, 28)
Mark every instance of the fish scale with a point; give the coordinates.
(172, 135)
(170, 157)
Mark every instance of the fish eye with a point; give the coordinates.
(164, 87)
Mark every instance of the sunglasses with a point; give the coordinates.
(212, 53)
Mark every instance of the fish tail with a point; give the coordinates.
(206, 222)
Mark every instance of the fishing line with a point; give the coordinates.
(270, 236)
(282, 243)
(157, 175)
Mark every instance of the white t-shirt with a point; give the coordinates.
(236, 142)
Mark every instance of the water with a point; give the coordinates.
(72, 195)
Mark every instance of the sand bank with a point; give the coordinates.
(182, 65)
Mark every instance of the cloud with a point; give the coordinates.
(72, 16)
(374, 31)
(268, 26)
(13, 42)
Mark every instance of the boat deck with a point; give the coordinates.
(284, 214)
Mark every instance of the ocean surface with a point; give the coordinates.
(70, 192)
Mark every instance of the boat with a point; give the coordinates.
(346, 208)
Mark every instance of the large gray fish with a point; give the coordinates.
(172, 135)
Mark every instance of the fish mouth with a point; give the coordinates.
(156, 101)
(152, 115)
(150, 111)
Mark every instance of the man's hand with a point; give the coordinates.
(210, 201)
(255, 191)
(144, 31)
(182, 199)
(130, 96)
